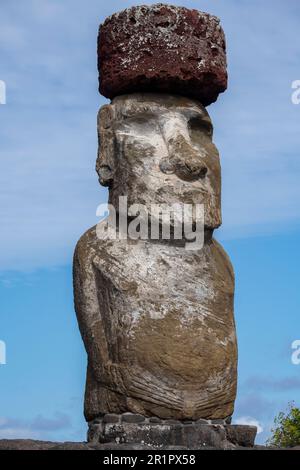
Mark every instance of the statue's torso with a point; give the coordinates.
(168, 320)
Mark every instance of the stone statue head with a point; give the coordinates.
(158, 149)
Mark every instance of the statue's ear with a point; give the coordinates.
(105, 165)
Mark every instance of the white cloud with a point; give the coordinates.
(18, 433)
(247, 420)
(36, 428)
(11, 428)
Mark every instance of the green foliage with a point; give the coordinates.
(286, 431)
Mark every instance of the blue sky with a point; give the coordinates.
(49, 193)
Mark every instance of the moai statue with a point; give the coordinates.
(156, 317)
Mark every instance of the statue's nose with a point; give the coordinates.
(186, 162)
(193, 171)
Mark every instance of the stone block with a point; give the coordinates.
(162, 48)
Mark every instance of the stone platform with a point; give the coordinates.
(135, 429)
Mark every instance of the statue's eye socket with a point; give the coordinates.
(200, 126)
(140, 118)
(143, 125)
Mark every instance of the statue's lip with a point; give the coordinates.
(185, 176)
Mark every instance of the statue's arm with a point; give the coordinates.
(225, 264)
(87, 306)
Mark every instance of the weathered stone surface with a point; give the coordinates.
(111, 418)
(157, 318)
(154, 420)
(162, 48)
(157, 148)
(203, 421)
(11, 444)
(132, 418)
(173, 432)
(172, 421)
(217, 421)
(242, 435)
